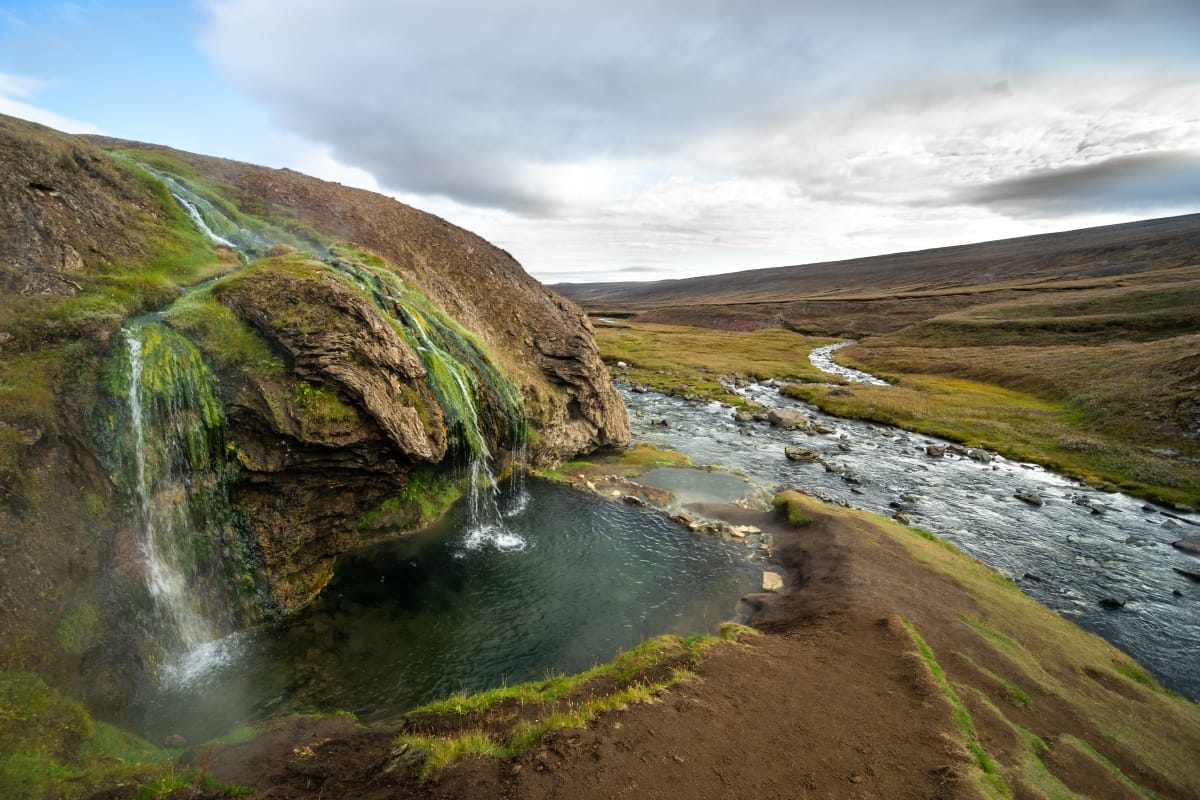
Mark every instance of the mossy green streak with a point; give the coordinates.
(473, 393)
(165, 433)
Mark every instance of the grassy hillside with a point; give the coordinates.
(1078, 351)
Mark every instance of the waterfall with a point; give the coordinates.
(214, 223)
(519, 497)
(169, 462)
(460, 375)
(194, 212)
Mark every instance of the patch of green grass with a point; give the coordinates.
(939, 541)
(324, 413)
(629, 462)
(993, 784)
(627, 664)
(50, 747)
(1093, 753)
(625, 674)
(440, 751)
(1015, 694)
(794, 506)
(644, 454)
(223, 336)
(682, 361)
(78, 628)
(1140, 676)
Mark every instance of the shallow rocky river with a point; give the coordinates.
(1079, 547)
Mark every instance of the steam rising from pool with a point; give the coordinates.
(443, 610)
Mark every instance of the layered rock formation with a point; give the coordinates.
(334, 422)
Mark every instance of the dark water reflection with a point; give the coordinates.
(426, 615)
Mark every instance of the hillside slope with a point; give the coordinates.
(326, 385)
(1086, 254)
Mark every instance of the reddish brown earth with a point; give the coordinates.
(833, 702)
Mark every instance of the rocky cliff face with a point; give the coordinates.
(345, 372)
(545, 340)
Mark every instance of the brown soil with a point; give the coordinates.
(884, 293)
(833, 702)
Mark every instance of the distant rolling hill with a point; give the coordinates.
(883, 293)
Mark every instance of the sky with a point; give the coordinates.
(650, 139)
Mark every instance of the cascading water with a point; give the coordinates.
(211, 221)
(194, 212)
(460, 376)
(168, 460)
(519, 496)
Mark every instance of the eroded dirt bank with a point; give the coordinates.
(891, 667)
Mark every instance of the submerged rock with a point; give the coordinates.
(1112, 603)
(982, 456)
(1029, 496)
(1188, 544)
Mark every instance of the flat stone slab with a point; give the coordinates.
(772, 581)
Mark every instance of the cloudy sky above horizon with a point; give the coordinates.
(641, 140)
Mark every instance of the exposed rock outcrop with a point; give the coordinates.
(332, 419)
(545, 340)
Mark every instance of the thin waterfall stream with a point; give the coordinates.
(158, 540)
(167, 457)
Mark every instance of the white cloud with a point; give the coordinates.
(15, 90)
(702, 135)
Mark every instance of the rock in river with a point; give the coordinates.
(801, 454)
(772, 581)
(1188, 544)
(788, 418)
(1028, 496)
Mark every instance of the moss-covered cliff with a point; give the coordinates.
(354, 380)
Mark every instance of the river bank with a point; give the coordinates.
(1069, 546)
(891, 666)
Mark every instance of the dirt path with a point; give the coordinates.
(835, 701)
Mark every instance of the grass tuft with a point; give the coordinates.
(794, 506)
(563, 701)
(962, 717)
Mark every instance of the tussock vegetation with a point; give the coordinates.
(504, 722)
(1102, 383)
(627, 463)
(793, 505)
(686, 361)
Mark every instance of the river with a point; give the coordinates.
(1079, 547)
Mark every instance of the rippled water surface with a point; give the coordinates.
(1079, 547)
(431, 613)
